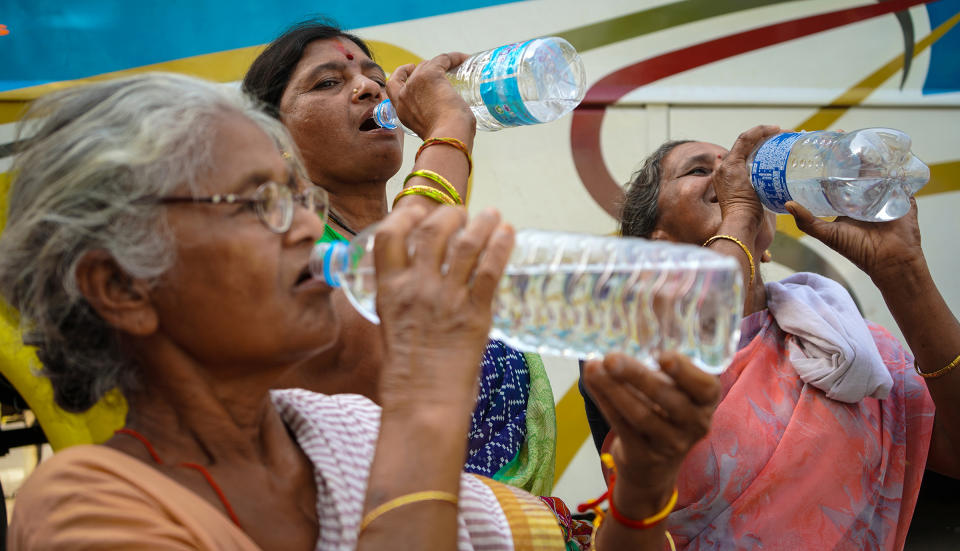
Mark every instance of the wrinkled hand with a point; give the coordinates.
(881, 249)
(424, 98)
(731, 180)
(657, 415)
(436, 276)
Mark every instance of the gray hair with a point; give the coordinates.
(97, 158)
(639, 213)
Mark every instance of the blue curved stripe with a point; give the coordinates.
(944, 73)
(53, 40)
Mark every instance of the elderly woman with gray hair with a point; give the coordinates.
(825, 423)
(158, 238)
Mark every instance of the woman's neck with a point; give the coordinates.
(219, 420)
(193, 416)
(356, 205)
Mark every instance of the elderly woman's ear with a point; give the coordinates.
(120, 299)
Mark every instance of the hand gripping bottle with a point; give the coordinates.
(867, 174)
(583, 296)
(530, 82)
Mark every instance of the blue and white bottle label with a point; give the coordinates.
(499, 87)
(769, 171)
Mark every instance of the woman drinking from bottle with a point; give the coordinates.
(323, 85)
(825, 424)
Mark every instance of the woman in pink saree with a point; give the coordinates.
(824, 426)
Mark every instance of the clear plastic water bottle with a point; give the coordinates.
(867, 174)
(530, 82)
(584, 296)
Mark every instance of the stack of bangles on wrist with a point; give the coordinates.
(746, 251)
(617, 515)
(446, 193)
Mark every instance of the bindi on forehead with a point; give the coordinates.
(339, 46)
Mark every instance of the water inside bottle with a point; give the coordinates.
(362, 282)
(549, 82)
(587, 312)
(869, 175)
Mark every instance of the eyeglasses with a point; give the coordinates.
(272, 202)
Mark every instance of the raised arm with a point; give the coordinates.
(743, 217)
(435, 324)
(890, 253)
(427, 103)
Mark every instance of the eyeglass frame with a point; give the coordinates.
(258, 200)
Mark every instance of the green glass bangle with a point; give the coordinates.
(426, 191)
(440, 180)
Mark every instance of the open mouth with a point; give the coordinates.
(304, 276)
(368, 125)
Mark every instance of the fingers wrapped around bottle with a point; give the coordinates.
(657, 415)
(731, 180)
(436, 277)
(883, 250)
(427, 103)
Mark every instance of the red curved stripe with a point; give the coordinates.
(588, 117)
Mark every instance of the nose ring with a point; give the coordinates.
(355, 90)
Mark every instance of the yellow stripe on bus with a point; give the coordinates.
(226, 66)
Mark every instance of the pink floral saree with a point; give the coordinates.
(784, 467)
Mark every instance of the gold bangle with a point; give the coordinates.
(673, 546)
(593, 536)
(938, 373)
(452, 142)
(667, 509)
(415, 497)
(440, 180)
(596, 528)
(426, 191)
(746, 251)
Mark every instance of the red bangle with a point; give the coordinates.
(628, 522)
(647, 522)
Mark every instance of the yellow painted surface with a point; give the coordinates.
(944, 177)
(19, 363)
(572, 429)
(391, 56)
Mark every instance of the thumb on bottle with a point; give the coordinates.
(450, 60)
(806, 221)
